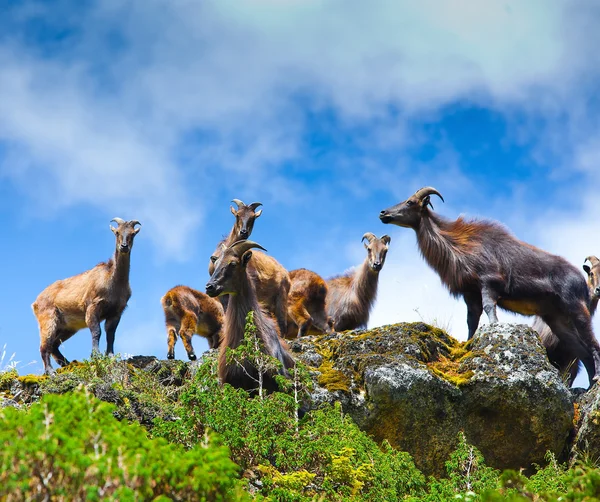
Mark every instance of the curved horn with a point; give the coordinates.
(424, 192)
(369, 236)
(593, 260)
(254, 205)
(133, 223)
(240, 247)
(118, 221)
(238, 202)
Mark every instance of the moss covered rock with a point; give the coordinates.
(417, 387)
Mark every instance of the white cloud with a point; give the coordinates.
(101, 122)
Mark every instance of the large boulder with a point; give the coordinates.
(417, 387)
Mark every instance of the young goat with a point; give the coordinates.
(560, 354)
(351, 296)
(189, 312)
(87, 299)
(306, 304)
(482, 262)
(231, 276)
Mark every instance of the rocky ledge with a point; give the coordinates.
(417, 387)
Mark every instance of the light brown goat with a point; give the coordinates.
(245, 215)
(189, 312)
(351, 296)
(232, 277)
(306, 304)
(271, 279)
(561, 354)
(87, 299)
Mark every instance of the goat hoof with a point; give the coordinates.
(192, 357)
(170, 356)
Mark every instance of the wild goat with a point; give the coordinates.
(560, 354)
(245, 215)
(232, 277)
(306, 304)
(87, 299)
(189, 312)
(270, 278)
(351, 296)
(486, 265)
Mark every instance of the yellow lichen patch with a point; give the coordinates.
(332, 379)
(576, 414)
(31, 379)
(70, 367)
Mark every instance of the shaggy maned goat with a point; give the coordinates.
(232, 277)
(306, 304)
(560, 354)
(87, 299)
(351, 296)
(482, 262)
(245, 215)
(189, 312)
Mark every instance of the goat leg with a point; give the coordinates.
(171, 340)
(489, 299)
(474, 311)
(110, 326)
(93, 323)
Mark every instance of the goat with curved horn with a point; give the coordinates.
(486, 265)
(232, 277)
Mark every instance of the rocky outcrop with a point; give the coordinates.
(417, 387)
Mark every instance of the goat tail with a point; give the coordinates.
(169, 301)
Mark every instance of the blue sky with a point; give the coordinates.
(325, 111)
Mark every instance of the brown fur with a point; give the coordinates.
(271, 279)
(189, 312)
(306, 304)
(232, 277)
(87, 299)
(486, 265)
(560, 354)
(350, 297)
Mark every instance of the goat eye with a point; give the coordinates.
(409, 202)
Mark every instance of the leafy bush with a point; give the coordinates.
(325, 454)
(70, 447)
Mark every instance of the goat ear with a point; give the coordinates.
(233, 211)
(426, 201)
(587, 269)
(136, 230)
(114, 230)
(386, 239)
(258, 213)
(246, 258)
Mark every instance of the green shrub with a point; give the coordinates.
(70, 447)
(325, 454)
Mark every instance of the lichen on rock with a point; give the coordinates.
(418, 387)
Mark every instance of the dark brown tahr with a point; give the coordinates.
(188, 312)
(232, 277)
(306, 304)
(350, 297)
(486, 265)
(560, 354)
(87, 299)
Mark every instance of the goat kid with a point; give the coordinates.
(231, 276)
(482, 262)
(189, 312)
(87, 299)
(559, 353)
(350, 297)
(306, 304)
